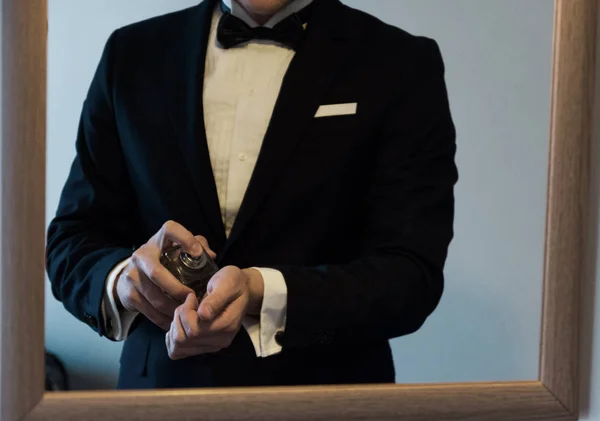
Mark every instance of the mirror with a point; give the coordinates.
(486, 326)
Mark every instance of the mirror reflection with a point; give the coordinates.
(295, 192)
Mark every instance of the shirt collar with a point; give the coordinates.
(291, 8)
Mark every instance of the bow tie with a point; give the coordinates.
(233, 31)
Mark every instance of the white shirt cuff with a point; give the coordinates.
(273, 314)
(117, 322)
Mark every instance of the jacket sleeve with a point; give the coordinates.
(398, 280)
(92, 230)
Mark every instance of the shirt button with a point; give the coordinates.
(242, 157)
(251, 91)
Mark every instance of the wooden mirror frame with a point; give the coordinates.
(553, 396)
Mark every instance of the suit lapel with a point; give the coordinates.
(184, 73)
(309, 75)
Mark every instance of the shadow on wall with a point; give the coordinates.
(81, 376)
(78, 376)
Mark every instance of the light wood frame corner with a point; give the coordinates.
(553, 396)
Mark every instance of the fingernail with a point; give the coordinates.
(207, 313)
(197, 249)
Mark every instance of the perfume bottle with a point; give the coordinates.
(193, 272)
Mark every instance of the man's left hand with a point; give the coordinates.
(211, 325)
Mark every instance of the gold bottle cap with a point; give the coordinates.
(191, 261)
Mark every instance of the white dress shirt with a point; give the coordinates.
(241, 86)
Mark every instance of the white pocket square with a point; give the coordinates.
(336, 109)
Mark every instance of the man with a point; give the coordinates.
(307, 147)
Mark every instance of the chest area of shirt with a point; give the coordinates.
(250, 75)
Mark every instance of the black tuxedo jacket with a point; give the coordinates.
(356, 211)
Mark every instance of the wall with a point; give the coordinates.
(498, 56)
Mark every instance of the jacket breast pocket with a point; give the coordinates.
(341, 125)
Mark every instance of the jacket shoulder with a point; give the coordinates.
(389, 41)
(155, 31)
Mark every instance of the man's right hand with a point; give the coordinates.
(144, 284)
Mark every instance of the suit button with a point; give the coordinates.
(90, 320)
(279, 337)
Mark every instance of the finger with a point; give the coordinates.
(156, 297)
(226, 324)
(190, 332)
(145, 260)
(204, 343)
(174, 351)
(174, 232)
(151, 313)
(188, 318)
(191, 303)
(181, 353)
(180, 345)
(206, 247)
(215, 303)
(176, 330)
(222, 290)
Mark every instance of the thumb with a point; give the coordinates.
(212, 305)
(204, 242)
(191, 302)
